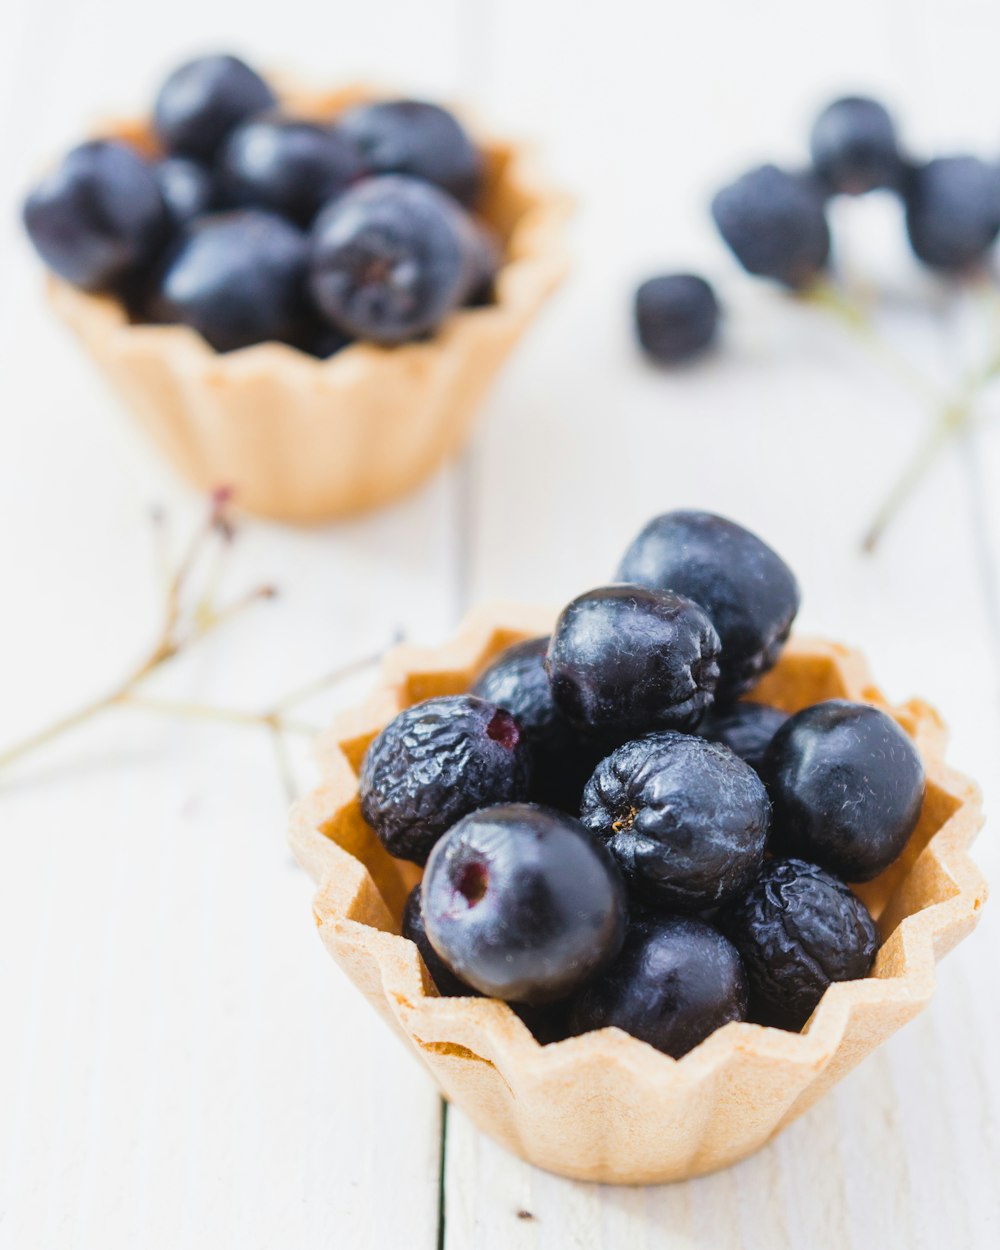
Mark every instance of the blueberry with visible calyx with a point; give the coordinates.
(203, 100)
(237, 278)
(685, 819)
(416, 138)
(98, 216)
(847, 786)
(952, 211)
(854, 147)
(675, 982)
(436, 762)
(746, 588)
(413, 927)
(521, 902)
(625, 659)
(746, 728)
(188, 188)
(676, 317)
(775, 224)
(798, 929)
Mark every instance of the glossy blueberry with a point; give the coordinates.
(236, 278)
(435, 763)
(390, 259)
(419, 139)
(746, 728)
(676, 317)
(953, 211)
(521, 902)
(187, 187)
(745, 587)
(203, 100)
(626, 659)
(448, 985)
(675, 982)
(798, 929)
(775, 224)
(847, 786)
(685, 819)
(289, 166)
(854, 147)
(98, 216)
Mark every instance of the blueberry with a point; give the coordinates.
(626, 659)
(419, 139)
(187, 187)
(486, 257)
(775, 224)
(745, 728)
(435, 763)
(798, 929)
(685, 819)
(952, 211)
(98, 216)
(854, 147)
(316, 337)
(390, 259)
(521, 902)
(745, 587)
(288, 166)
(847, 786)
(201, 102)
(676, 317)
(676, 981)
(413, 927)
(237, 279)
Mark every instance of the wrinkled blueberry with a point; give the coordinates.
(746, 728)
(952, 211)
(798, 929)
(187, 187)
(676, 317)
(521, 902)
(448, 985)
(676, 981)
(98, 216)
(775, 224)
(626, 659)
(685, 819)
(201, 102)
(854, 147)
(847, 786)
(435, 763)
(419, 139)
(746, 588)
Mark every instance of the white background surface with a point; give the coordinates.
(180, 1065)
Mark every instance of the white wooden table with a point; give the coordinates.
(180, 1065)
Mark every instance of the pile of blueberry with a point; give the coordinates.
(613, 835)
(256, 226)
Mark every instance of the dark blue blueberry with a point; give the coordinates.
(201, 102)
(523, 903)
(627, 659)
(675, 982)
(288, 166)
(98, 216)
(187, 187)
(798, 929)
(423, 140)
(953, 211)
(676, 317)
(746, 728)
(775, 224)
(854, 147)
(237, 279)
(685, 819)
(390, 259)
(745, 587)
(448, 985)
(847, 786)
(316, 337)
(486, 257)
(435, 763)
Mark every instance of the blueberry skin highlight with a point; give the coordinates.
(187, 187)
(746, 728)
(847, 786)
(675, 982)
(775, 224)
(952, 211)
(676, 317)
(521, 902)
(685, 820)
(798, 929)
(625, 659)
(203, 100)
(448, 985)
(854, 147)
(749, 592)
(435, 763)
(98, 216)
